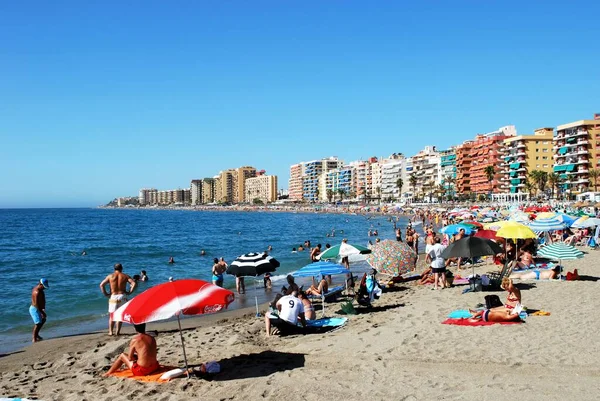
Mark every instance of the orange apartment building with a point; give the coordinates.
(463, 167)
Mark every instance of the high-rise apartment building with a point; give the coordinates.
(312, 171)
(208, 190)
(463, 167)
(426, 168)
(263, 187)
(239, 182)
(147, 196)
(196, 192)
(448, 171)
(224, 190)
(488, 150)
(576, 147)
(524, 154)
(295, 189)
(392, 169)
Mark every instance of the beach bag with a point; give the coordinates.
(492, 301)
(212, 367)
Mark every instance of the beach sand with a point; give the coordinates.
(397, 351)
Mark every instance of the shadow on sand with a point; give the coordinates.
(366, 309)
(247, 366)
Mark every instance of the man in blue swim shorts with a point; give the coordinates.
(37, 310)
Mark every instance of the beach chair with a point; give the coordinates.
(496, 277)
(329, 296)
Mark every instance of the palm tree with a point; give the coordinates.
(441, 190)
(529, 187)
(341, 193)
(431, 187)
(399, 184)
(540, 178)
(594, 174)
(317, 194)
(329, 195)
(489, 174)
(553, 180)
(378, 189)
(413, 183)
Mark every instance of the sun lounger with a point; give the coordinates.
(496, 278)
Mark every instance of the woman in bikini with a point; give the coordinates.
(318, 290)
(410, 239)
(514, 294)
(538, 274)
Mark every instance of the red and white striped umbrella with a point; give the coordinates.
(188, 297)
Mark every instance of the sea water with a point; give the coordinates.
(36, 243)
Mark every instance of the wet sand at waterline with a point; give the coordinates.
(397, 351)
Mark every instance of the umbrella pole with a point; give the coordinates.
(256, 298)
(187, 370)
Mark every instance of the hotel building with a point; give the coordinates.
(208, 190)
(263, 187)
(524, 154)
(148, 196)
(575, 153)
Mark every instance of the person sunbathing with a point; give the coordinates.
(526, 261)
(494, 315)
(538, 274)
(142, 354)
(319, 289)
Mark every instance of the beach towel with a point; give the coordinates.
(468, 322)
(15, 399)
(153, 378)
(327, 322)
(465, 314)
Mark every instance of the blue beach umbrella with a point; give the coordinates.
(455, 228)
(320, 269)
(550, 224)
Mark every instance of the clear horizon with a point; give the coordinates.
(100, 100)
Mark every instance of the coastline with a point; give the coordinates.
(398, 350)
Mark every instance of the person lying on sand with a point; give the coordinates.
(538, 274)
(320, 289)
(494, 315)
(142, 354)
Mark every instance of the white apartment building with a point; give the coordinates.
(196, 192)
(392, 169)
(263, 187)
(427, 168)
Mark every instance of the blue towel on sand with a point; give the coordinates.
(327, 322)
(465, 314)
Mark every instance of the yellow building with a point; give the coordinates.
(524, 154)
(239, 182)
(263, 187)
(576, 151)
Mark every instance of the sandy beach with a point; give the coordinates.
(399, 350)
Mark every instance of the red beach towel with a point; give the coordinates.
(468, 322)
(152, 378)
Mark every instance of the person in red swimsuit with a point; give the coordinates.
(142, 355)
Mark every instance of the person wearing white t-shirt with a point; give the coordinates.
(438, 264)
(291, 310)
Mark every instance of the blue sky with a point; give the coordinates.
(99, 99)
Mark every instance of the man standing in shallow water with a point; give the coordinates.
(117, 296)
(37, 310)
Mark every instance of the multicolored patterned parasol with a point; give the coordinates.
(392, 257)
